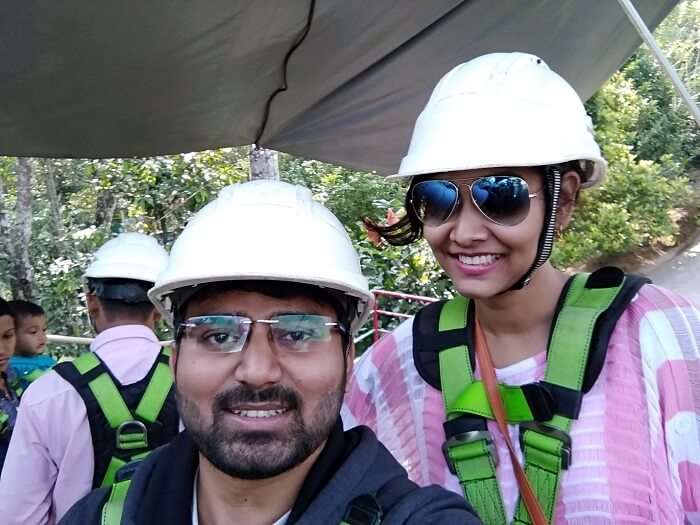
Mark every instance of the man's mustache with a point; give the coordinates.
(285, 397)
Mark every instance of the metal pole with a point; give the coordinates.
(646, 35)
(69, 339)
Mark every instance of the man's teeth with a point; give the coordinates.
(259, 413)
(479, 260)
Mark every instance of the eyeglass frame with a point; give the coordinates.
(341, 328)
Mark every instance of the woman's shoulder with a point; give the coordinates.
(391, 348)
(666, 325)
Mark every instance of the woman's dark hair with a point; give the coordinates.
(344, 306)
(409, 228)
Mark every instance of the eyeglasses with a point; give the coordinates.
(502, 199)
(227, 334)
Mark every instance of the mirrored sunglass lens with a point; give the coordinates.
(215, 333)
(299, 331)
(434, 200)
(503, 199)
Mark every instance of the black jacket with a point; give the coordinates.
(352, 463)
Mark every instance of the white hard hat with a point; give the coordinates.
(502, 109)
(128, 256)
(264, 230)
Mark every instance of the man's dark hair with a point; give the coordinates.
(114, 310)
(5, 308)
(21, 309)
(122, 298)
(345, 307)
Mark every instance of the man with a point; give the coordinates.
(265, 292)
(81, 421)
(30, 361)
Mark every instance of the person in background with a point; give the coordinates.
(9, 388)
(30, 360)
(82, 420)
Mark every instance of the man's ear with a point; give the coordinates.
(93, 305)
(570, 187)
(349, 359)
(173, 359)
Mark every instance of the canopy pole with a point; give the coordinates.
(646, 35)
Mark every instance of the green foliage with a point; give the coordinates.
(97, 199)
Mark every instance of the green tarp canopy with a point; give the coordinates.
(121, 79)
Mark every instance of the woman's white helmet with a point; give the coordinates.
(264, 230)
(502, 109)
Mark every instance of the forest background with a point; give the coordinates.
(55, 212)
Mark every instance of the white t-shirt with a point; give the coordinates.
(195, 510)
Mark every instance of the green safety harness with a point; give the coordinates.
(120, 434)
(588, 309)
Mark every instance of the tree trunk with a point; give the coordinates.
(6, 247)
(54, 204)
(104, 210)
(24, 279)
(264, 164)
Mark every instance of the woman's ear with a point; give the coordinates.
(570, 186)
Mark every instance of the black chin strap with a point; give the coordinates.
(552, 188)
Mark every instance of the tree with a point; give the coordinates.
(23, 275)
(264, 163)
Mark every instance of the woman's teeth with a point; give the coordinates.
(479, 260)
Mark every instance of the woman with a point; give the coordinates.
(9, 395)
(608, 414)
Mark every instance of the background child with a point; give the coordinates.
(9, 391)
(29, 361)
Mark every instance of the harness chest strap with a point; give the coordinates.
(544, 435)
(131, 432)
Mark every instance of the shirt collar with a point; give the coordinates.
(127, 331)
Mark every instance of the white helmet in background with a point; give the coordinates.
(264, 230)
(125, 267)
(502, 109)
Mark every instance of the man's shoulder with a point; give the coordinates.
(48, 388)
(400, 499)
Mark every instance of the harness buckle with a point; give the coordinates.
(552, 432)
(464, 438)
(131, 435)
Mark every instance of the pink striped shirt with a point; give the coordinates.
(636, 444)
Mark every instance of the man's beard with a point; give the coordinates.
(260, 454)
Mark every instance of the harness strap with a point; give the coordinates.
(34, 375)
(471, 455)
(157, 390)
(131, 434)
(547, 446)
(544, 410)
(113, 509)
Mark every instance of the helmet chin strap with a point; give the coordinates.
(552, 189)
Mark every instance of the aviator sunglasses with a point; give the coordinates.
(504, 199)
